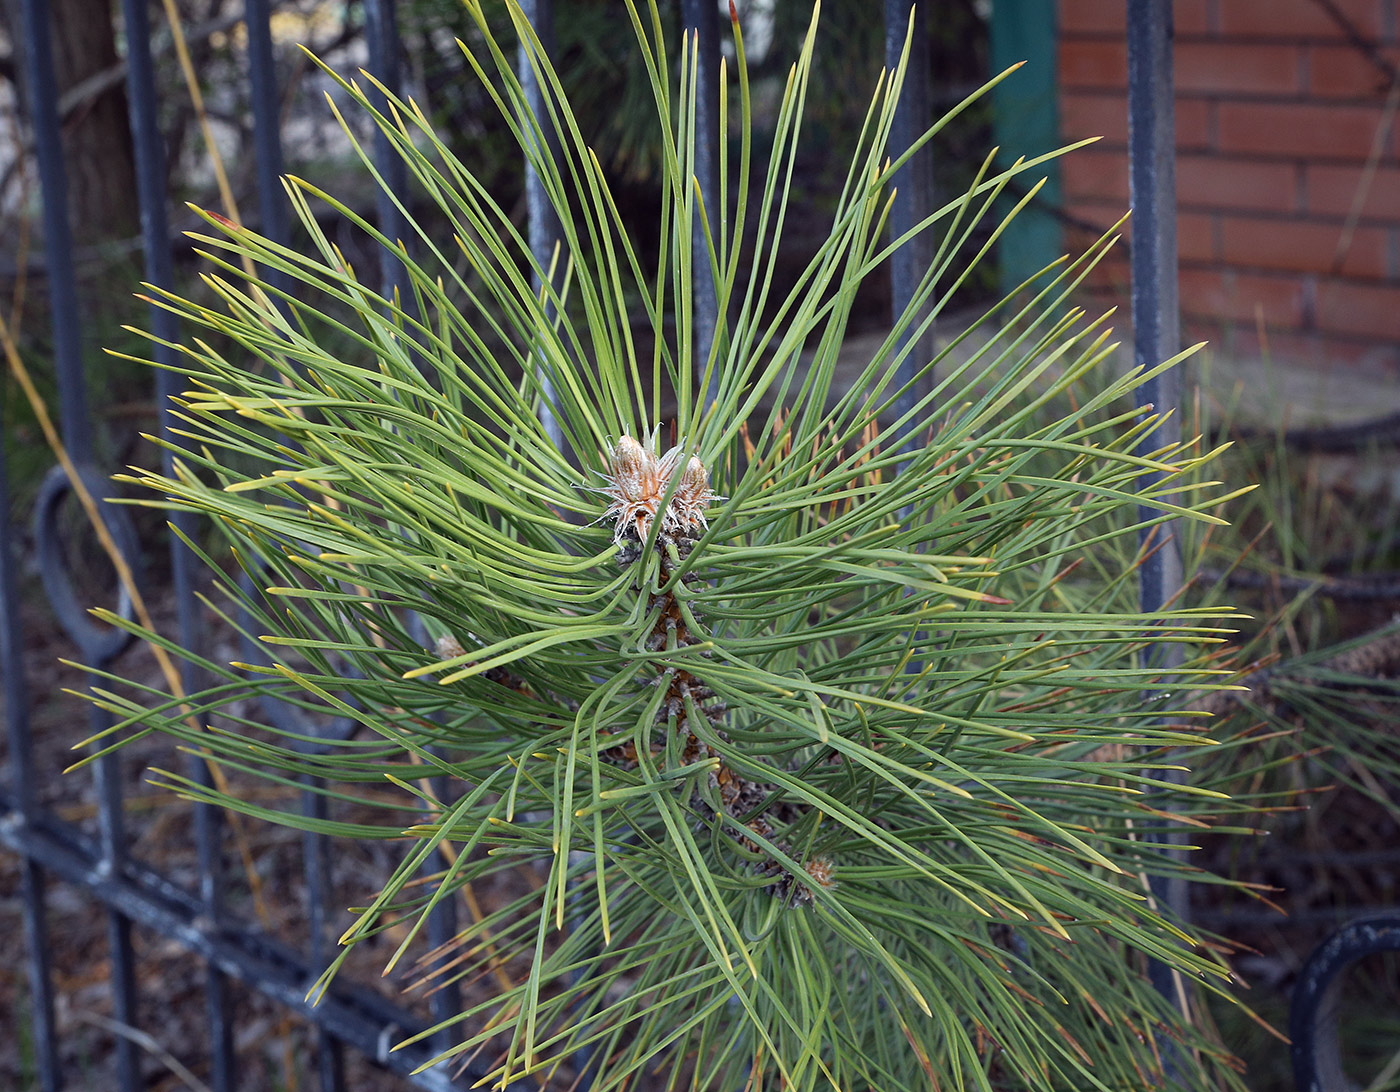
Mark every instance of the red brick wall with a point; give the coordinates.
(1287, 229)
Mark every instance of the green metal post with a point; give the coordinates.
(1026, 123)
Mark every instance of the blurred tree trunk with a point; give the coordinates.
(96, 132)
(96, 129)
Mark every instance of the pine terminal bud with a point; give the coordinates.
(631, 464)
(634, 487)
(449, 648)
(692, 496)
(819, 868)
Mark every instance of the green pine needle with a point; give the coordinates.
(848, 775)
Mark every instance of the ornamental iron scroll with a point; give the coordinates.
(1313, 1024)
(100, 645)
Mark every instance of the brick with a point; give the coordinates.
(1090, 16)
(1078, 17)
(1210, 181)
(1304, 246)
(1353, 309)
(1094, 173)
(1109, 280)
(1112, 274)
(1087, 113)
(1331, 191)
(1195, 232)
(1237, 68)
(1093, 63)
(1092, 222)
(1297, 18)
(1196, 237)
(1298, 129)
(1195, 125)
(1229, 296)
(1090, 219)
(1110, 16)
(1192, 16)
(1341, 71)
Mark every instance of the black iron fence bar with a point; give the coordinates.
(446, 1001)
(326, 1047)
(25, 806)
(1152, 180)
(382, 37)
(701, 17)
(316, 866)
(351, 1013)
(96, 647)
(1156, 337)
(155, 230)
(58, 235)
(913, 182)
(381, 32)
(1156, 332)
(267, 124)
(542, 223)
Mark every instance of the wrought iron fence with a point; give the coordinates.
(135, 896)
